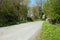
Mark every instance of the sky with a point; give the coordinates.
(33, 2)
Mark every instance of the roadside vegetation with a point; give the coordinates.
(12, 12)
(52, 9)
(17, 11)
(51, 29)
(49, 32)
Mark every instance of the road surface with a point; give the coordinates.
(25, 31)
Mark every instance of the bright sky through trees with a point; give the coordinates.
(33, 2)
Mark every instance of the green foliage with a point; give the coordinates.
(49, 32)
(6, 12)
(11, 11)
(52, 9)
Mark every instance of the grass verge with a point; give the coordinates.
(49, 32)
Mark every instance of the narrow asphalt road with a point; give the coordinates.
(25, 31)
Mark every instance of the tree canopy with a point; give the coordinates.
(11, 11)
(52, 9)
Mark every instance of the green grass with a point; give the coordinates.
(50, 32)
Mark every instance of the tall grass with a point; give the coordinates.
(49, 32)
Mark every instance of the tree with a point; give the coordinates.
(40, 6)
(6, 12)
(11, 11)
(24, 10)
(52, 9)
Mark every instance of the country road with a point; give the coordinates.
(25, 31)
